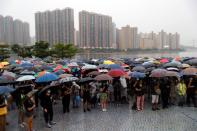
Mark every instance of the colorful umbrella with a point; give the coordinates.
(48, 77)
(116, 73)
(26, 78)
(103, 77)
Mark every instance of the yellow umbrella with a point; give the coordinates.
(108, 62)
(4, 63)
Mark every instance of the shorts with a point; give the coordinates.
(155, 98)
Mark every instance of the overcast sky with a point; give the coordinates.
(148, 15)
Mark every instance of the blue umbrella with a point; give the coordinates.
(137, 75)
(5, 89)
(47, 78)
(26, 65)
(115, 66)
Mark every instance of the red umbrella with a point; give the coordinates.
(103, 77)
(164, 60)
(116, 73)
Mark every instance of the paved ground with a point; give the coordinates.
(117, 118)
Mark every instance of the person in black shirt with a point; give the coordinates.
(86, 97)
(47, 105)
(66, 91)
(191, 92)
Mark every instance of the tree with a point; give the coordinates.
(41, 49)
(64, 50)
(15, 48)
(4, 52)
(25, 52)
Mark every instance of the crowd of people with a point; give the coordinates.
(88, 92)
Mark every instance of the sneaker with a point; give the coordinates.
(88, 109)
(48, 125)
(105, 110)
(52, 123)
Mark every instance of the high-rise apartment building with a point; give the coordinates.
(95, 30)
(14, 31)
(128, 38)
(55, 26)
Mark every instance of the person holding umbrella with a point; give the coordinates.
(191, 92)
(66, 91)
(29, 106)
(47, 105)
(140, 94)
(3, 112)
(86, 97)
(155, 91)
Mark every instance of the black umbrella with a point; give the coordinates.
(43, 90)
(86, 79)
(139, 69)
(192, 62)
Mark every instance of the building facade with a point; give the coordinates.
(128, 38)
(14, 31)
(55, 26)
(95, 30)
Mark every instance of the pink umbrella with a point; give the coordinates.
(164, 60)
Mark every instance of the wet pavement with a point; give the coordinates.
(117, 118)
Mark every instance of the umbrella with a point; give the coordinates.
(5, 90)
(87, 66)
(65, 75)
(116, 73)
(148, 64)
(73, 64)
(139, 69)
(192, 62)
(26, 72)
(173, 69)
(1, 66)
(173, 64)
(172, 74)
(45, 89)
(103, 66)
(94, 73)
(137, 74)
(115, 66)
(86, 79)
(10, 74)
(68, 79)
(190, 71)
(26, 65)
(4, 63)
(59, 72)
(48, 77)
(103, 70)
(164, 60)
(26, 78)
(108, 62)
(42, 73)
(185, 65)
(158, 73)
(103, 77)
